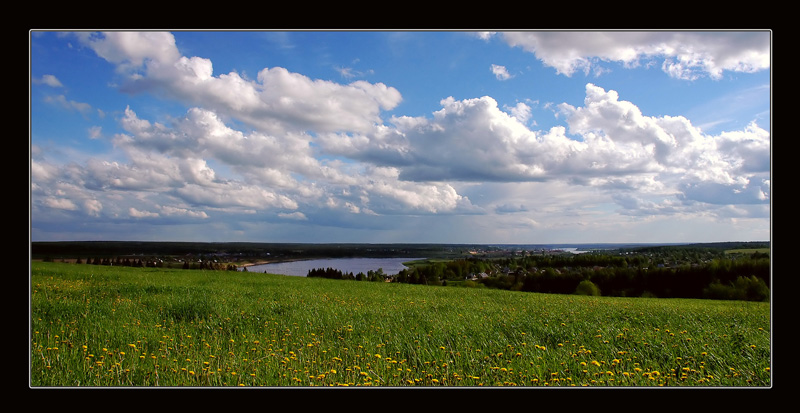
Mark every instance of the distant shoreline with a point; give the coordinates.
(250, 264)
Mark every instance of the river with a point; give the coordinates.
(390, 266)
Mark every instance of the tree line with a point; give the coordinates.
(736, 278)
(716, 276)
(721, 277)
(156, 263)
(332, 273)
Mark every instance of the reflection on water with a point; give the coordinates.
(390, 266)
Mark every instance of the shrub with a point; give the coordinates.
(587, 287)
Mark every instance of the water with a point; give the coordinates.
(573, 250)
(391, 266)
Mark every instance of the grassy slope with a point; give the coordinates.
(111, 326)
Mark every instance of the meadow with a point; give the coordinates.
(113, 326)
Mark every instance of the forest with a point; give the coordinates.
(665, 272)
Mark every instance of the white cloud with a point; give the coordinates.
(131, 50)
(95, 132)
(287, 148)
(521, 111)
(298, 216)
(60, 203)
(93, 207)
(686, 55)
(278, 101)
(234, 195)
(619, 150)
(62, 101)
(168, 210)
(49, 80)
(135, 213)
(500, 72)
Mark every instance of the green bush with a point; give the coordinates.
(587, 287)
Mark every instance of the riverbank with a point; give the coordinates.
(355, 265)
(275, 261)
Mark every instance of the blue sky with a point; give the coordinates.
(400, 136)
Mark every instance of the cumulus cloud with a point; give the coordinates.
(60, 203)
(521, 111)
(668, 145)
(684, 55)
(135, 213)
(609, 144)
(276, 102)
(306, 150)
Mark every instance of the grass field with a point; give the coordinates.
(118, 326)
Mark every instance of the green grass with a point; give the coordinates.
(115, 326)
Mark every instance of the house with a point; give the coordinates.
(480, 276)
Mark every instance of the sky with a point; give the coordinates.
(527, 137)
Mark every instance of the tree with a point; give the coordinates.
(587, 287)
